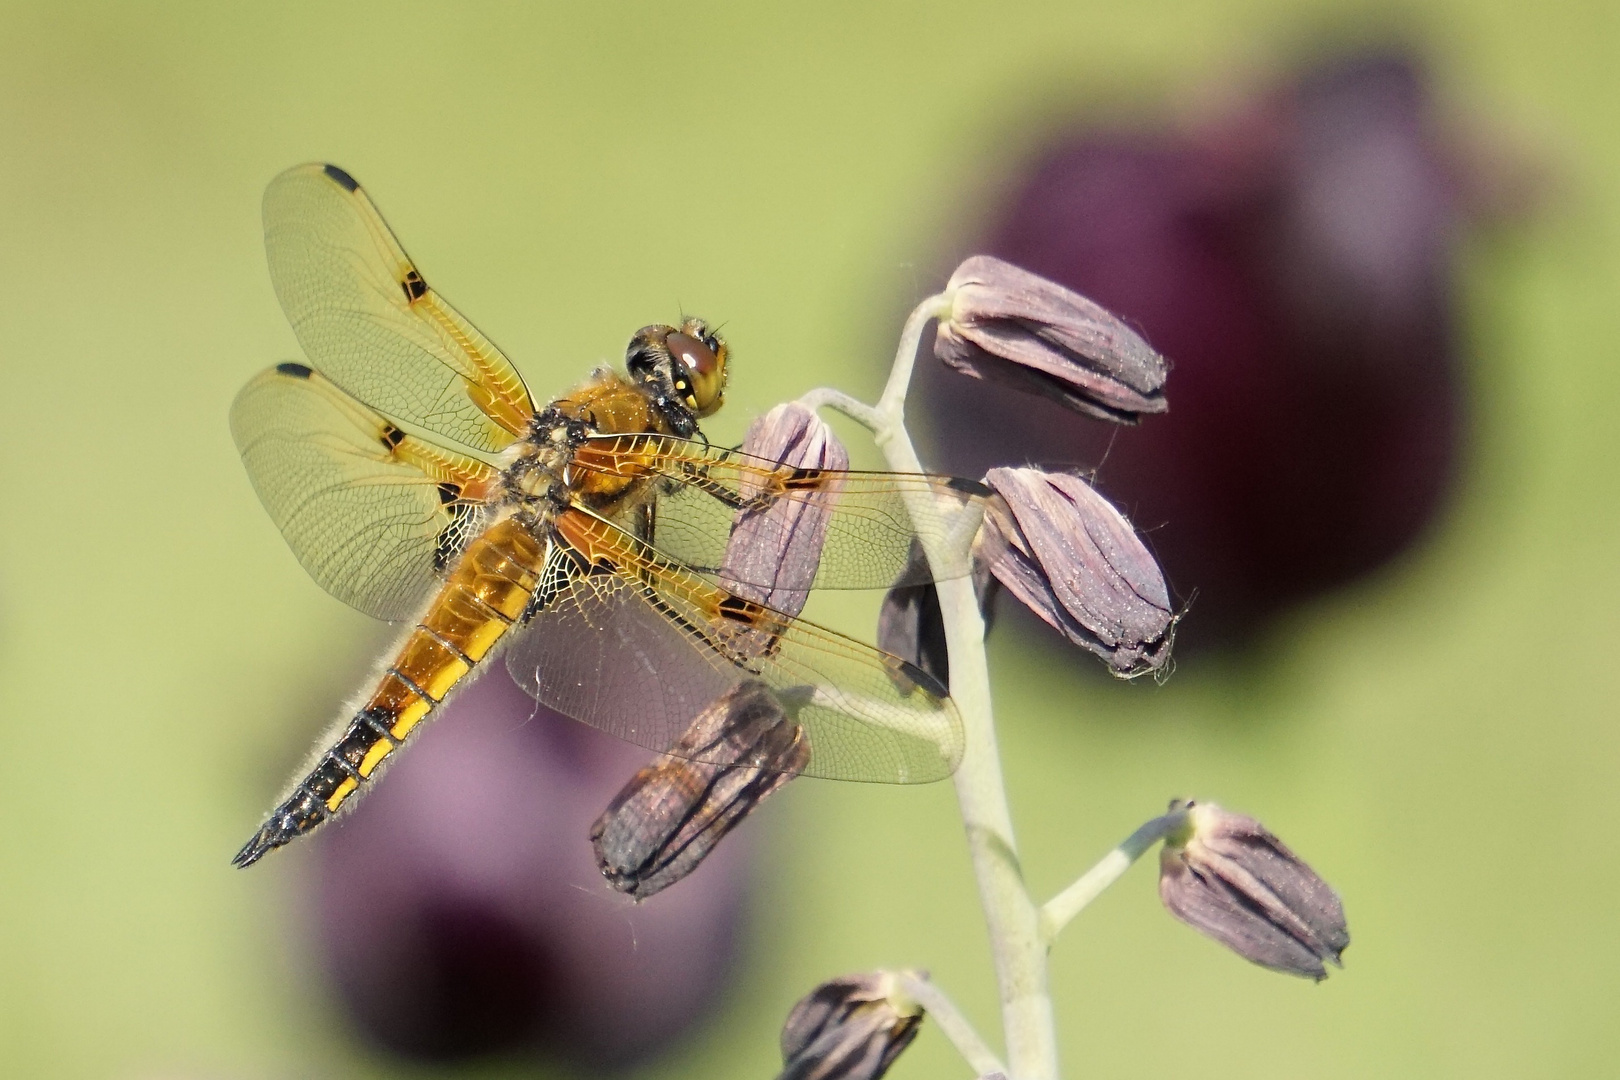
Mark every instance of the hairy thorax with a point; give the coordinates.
(540, 473)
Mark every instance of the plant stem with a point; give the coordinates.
(893, 402)
(1016, 945)
(859, 411)
(1057, 912)
(1018, 948)
(943, 1011)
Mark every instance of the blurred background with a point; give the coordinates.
(1380, 251)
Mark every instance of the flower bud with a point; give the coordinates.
(673, 812)
(1229, 878)
(850, 1028)
(1018, 328)
(910, 624)
(779, 542)
(1071, 558)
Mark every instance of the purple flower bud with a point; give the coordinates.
(673, 812)
(780, 540)
(1230, 879)
(850, 1028)
(910, 624)
(1018, 328)
(1071, 558)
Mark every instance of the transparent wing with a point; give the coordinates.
(370, 323)
(372, 513)
(868, 519)
(638, 647)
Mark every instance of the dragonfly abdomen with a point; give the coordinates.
(485, 594)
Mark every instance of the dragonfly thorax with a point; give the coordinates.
(535, 468)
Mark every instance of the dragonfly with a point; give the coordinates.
(589, 540)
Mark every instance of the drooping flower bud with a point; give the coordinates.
(910, 624)
(1017, 328)
(1074, 560)
(779, 542)
(849, 1028)
(672, 813)
(1230, 879)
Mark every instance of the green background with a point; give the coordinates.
(1440, 743)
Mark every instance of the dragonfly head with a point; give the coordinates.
(684, 369)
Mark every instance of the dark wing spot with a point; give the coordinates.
(391, 436)
(415, 288)
(804, 479)
(448, 493)
(739, 610)
(348, 182)
(297, 371)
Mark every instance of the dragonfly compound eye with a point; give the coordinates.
(701, 369)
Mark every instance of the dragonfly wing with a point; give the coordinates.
(371, 324)
(372, 513)
(638, 647)
(868, 519)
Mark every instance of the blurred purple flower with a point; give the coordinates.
(460, 910)
(1294, 260)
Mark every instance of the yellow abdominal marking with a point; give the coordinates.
(344, 790)
(446, 677)
(373, 756)
(409, 717)
(483, 639)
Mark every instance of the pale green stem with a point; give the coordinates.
(1018, 949)
(893, 402)
(1057, 912)
(950, 1021)
(857, 410)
